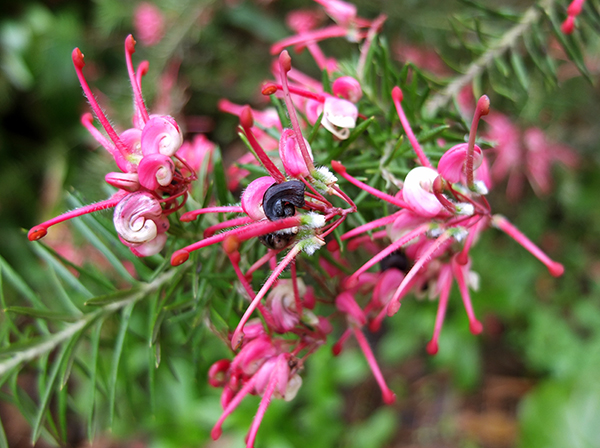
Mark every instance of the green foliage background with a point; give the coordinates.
(542, 333)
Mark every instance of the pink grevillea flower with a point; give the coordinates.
(574, 9)
(149, 23)
(443, 212)
(145, 154)
(528, 154)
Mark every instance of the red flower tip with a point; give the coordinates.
(483, 104)
(216, 433)
(475, 327)
(393, 308)
(375, 325)
(77, 57)
(556, 269)
(246, 118)
(338, 167)
(285, 60)
(397, 94)
(333, 246)
(87, 118)
(388, 396)
(235, 257)
(36, 233)
(130, 44)
(179, 257)
(143, 68)
(269, 88)
(432, 347)
(337, 348)
(188, 217)
(568, 26)
(231, 244)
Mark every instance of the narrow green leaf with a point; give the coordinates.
(49, 389)
(3, 441)
(117, 296)
(281, 111)
(223, 194)
(112, 388)
(20, 284)
(518, 65)
(42, 314)
(95, 347)
(315, 129)
(357, 132)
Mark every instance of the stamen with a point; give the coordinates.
(309, 36)
(234, 403)
(388, 396)
(353, 279)
(137, 94)
(87, 121)
(285, 64)
(341, 170)
(246, 120)
(241, 221)
(269, 88)
(79, 63)
(238, 334)
(239, 234)
(190, 216)
(397, 98)
(370, 226)
(337, 347)
(483, 108)
(475, 326)
(41, 230)
(445, 285)
(555, 269)
(261, 261)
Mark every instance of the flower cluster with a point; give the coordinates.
(154, 180)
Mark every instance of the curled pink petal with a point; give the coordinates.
(291, 155)
(161, 135)
(452, 164)
(149, 248)
(123, 181)
(138, 218)
(156, 170)
(418, 191)
(348, 88)
(339, 116)
(252, 197)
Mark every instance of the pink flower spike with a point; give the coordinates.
(459, 272)
(452, 165)
(285, 65)
(483, 108)
(162, 135)
(397, 98)
(137, 94)
(388, 396)
(418, 192)
(79, 63)
(190, 216)
(291, 154)
(556, 269)
(238, 334)
(341, 170)
(444, 285)
(40, 231)
(252, 197)
(348, 88)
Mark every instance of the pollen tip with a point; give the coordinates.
(143, 67)
(432, 347)
(188, 217)
(475, 327)
(179, 257)
(130, 44)
(338, 167)
(246, 118)
(568, 26)
(36, 233)
(231, 244)
(483, 104)
(285, 60)
(375, 325)
(393, 308)
(87, 118)
(397, 94)
(268, 88)
(337, 348)
(77, 57)
(216, 432)
(388, 396)
(556, 269)
(462, 258)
